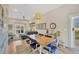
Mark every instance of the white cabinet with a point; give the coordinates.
(3, 41)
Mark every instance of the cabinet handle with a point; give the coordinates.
(72, 29)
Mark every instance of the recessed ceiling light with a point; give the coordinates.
(15, 10)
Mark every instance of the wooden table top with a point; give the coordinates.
(43, 40)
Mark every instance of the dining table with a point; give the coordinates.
(43, 40)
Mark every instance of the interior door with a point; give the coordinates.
(72, 33)
(75, 31)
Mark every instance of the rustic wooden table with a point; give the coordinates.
(43, 41)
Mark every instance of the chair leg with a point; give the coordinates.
(35, 50)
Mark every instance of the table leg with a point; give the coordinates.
(40, 49)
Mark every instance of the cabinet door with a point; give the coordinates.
(1, 17)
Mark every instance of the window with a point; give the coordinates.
(19, 29)
(10, 27)
(22, 31)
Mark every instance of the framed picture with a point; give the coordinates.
(41, 26)
(37, 26)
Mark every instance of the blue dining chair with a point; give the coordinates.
(52, 46)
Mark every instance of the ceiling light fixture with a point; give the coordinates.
(38, 15)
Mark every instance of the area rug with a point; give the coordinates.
(21, 49)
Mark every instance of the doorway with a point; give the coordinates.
(76, 26)
(75, 31)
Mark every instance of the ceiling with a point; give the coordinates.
(28, 10)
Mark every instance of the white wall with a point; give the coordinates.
(61, 17)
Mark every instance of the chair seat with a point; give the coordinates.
(34, 45)
(53, 49)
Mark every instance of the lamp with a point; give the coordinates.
(38, 15)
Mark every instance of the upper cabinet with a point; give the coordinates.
(1, 17)
(3, 27)
(3, 14)
(5, 10)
